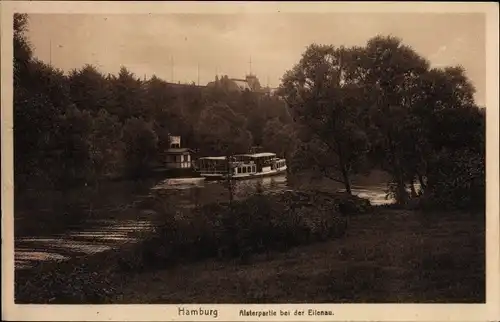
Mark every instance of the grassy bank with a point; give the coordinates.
(288, 247)
(224, 231)
(387, 256)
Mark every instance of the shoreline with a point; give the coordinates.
(370, 248)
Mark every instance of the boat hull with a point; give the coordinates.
(181, 173)
(244, 176)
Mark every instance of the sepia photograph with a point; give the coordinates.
(233, 157)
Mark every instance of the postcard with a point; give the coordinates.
(250, 161)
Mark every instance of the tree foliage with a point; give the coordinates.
(324, 94)
(339, 111)
(382, 106)
(86, 126)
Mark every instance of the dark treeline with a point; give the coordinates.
(339, 112)
(87, 126)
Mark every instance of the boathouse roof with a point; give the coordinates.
(214, 158)
(179, 150)
(263, 154)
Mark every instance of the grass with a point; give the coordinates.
(291, 248)
(389, 256)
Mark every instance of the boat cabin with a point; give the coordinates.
(263, 161)
(212, 165)
(241, 165)
(177, 157)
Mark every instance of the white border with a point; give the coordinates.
(359, 312)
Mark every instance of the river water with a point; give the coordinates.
(109, 232)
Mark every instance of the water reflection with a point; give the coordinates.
(102, 234)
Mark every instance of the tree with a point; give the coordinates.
(279, 138)
(140, 145)
(23, 52)
(89, 89)
(448, 110)
(128, 94)
(38, 106)
(391, 76)
(73, 146)
(455, 129)
(220, 131)
(106, 146)
(324, 93)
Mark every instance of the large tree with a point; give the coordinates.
(89, 89)
(326, 96)
(41, 96)
(392, 72)
(129, 95)
(140, 146)
(221, 131)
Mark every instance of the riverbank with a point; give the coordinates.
(388, 256)
(385, 255)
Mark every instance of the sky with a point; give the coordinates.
(185, 47)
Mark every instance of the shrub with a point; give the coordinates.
(352, 205)
(79, 281)
(456, 180)
(261, 223)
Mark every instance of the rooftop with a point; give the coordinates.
(259, 155)
(179, 150)
(242, 84)
(213, 158)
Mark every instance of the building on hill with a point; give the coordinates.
(251, 83)
(180, 85)
(241, 85)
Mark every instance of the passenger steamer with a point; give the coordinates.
(241, 166)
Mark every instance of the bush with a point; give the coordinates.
(78, 281)
(261, 223)
(352, 205)
(456, 180)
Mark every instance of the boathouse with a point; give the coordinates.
(178, 157)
